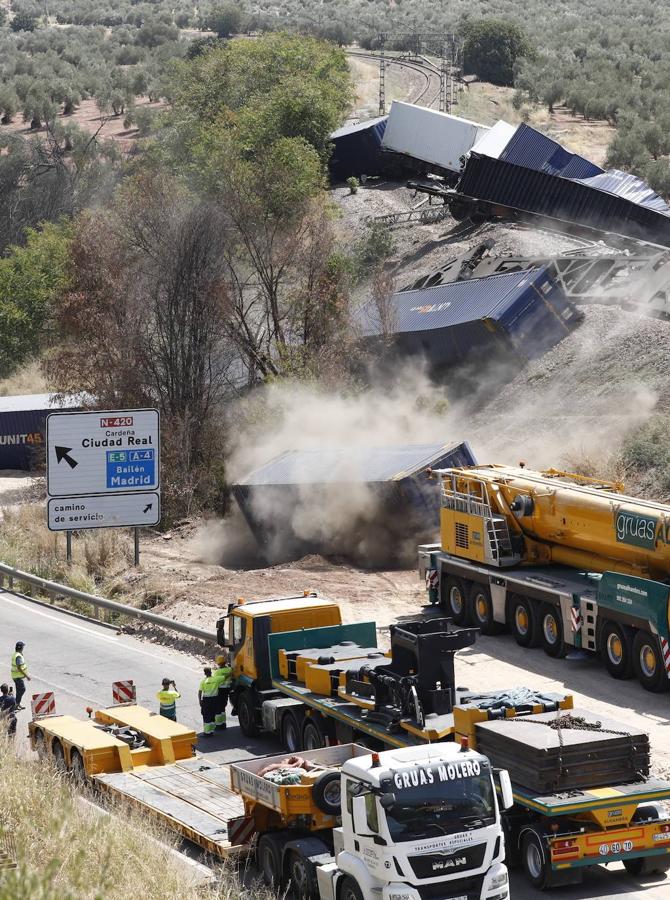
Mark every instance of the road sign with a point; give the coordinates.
(102, 452)
(104, 511)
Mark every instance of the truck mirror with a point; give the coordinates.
(506, 795)
(386, 801)
(360, 817)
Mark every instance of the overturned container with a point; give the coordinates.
(517, 315)
(357, 149)
(361, 502)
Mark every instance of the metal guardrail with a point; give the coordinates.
(53, 590)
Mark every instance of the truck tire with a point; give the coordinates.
(534, 860)
(616, 649)
(246, 714)
(454, 600)
(302, 877)
(524, 621)
(481, 609)
(349, 889)
(327, 793)
(646, 865)
(551, 630)
(290, 733)
(648, 662)
(269, 859)
(314, 735)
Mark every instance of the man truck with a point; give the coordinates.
(561, 560)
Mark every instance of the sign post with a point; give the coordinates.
(103, 471)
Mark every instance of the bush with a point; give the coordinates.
(352, 183)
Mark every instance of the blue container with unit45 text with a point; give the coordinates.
(131, 469)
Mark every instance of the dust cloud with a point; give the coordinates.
(570, 408)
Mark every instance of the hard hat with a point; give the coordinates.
(19, 645)
(220, 660)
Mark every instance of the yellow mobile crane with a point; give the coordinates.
(562, 560)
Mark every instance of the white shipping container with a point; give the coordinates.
(495, 140)
(435, 138)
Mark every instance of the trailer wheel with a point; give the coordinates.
(290, 733)
(58, 755)
(524, 621)
(551, 633)
(646, 865)
(648, 662)
(246, 714)
(534, 860)
(327, 793)
(40, 744)
(302, 877)
(454, 600)
(481, 610)
(616, 650)
(77, 767)
(313, 735)
(269, 859)
(349, 889)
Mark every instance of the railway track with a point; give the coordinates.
(431, 85)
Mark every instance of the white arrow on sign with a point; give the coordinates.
(103, 452)
(104, 511)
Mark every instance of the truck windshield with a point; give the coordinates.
(443, 807)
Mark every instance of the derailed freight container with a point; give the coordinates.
(515, 187)
(429, 141)
(322, 500)
(518, 314)
(357, 149)
(23, 427)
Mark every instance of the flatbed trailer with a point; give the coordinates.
(324, 686)
(161, 775)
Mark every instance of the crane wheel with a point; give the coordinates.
(481, 610)
(551, 630)
(648, 662)
(617, 649)
(524, 620)
(454, 600)
(349, 889)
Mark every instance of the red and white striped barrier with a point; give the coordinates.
(123, 692)
(43, 704)
(665, 650)
(575, 619)
(241, 830)
(432, 578)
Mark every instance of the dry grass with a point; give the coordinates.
(66, 850)
(98, 556)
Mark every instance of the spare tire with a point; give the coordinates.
(327, 793)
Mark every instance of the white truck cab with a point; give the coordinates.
(419, 823)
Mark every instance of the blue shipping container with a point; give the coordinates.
(357, 149)
(397, 477)
(502, 184)
(534, 150)
(519, 313)
(23, 428)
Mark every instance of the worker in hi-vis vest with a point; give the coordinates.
(167, 698)
(19, 673)
(224, 675)
(208, 695)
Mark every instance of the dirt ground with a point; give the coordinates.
(87, 117)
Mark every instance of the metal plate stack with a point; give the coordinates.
(587, 751)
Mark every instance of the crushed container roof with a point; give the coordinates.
(530, 148)
(347, 465)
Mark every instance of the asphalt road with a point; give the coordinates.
(79, 661)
